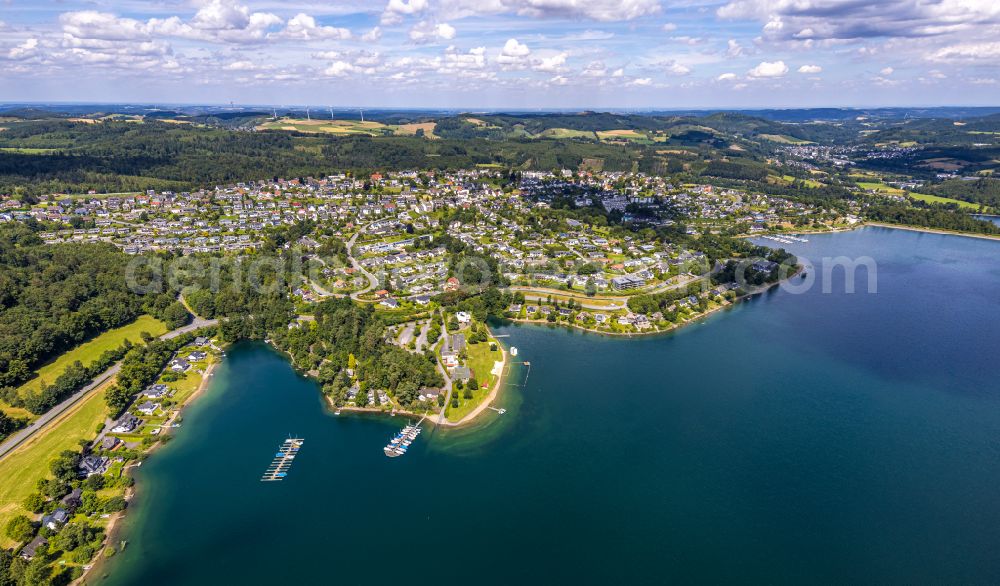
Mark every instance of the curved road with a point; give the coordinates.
(46, 418)
(372, 281)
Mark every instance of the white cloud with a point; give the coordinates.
(594, 69)
(339, 69)
(674, 68)
(221, 21)
(618, 73)
(514, 55)
(600, 10)
(25, 50)
(513, 48)
(726, 77)
(396, 10)
(669, 27)
(769, 69)
(810, 69)
(551, 64)
(241, 66)
(887, 71)
(642, 81)
(372, 36)
(304, 28)
(970, 52)
(734, 49)
(426, 32)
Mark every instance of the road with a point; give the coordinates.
(407, 335)
(602, 302)
(43, 420)
(422, 338)
(372, 281)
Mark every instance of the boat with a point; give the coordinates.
(513, 350)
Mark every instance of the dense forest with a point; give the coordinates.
(52, 156)
(347, 335)
(53, 297)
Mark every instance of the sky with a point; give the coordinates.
(495, 54)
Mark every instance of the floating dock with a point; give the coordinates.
(398, 445)
(283, 460)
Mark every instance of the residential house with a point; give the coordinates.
(91, 465)
(125, 424)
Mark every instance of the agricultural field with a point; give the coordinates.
(23, 467)
(567, 133)
(622, 134)
(345, 127)
(784, 139)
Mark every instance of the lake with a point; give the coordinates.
(796, 438)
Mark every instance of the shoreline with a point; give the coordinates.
(655, 332)
(433, 417)
(488, 400)
(113, 528)
(933, 230)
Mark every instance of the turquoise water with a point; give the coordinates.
(813, 438)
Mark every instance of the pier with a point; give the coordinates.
(401, 442)
(278, 469)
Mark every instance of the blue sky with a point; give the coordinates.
(504, 53)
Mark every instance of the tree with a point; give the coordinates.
(20, 529)
(473, 383)
(34, 502)
(591, 287)
(117, 398)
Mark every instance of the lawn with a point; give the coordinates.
(481, 361)
(943, 200)
(20, 470)
(91, 350)
(881, 187)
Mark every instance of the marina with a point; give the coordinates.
(401, 442)
(283, 459)
(785, 239)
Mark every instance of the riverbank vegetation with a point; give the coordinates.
(930, 217)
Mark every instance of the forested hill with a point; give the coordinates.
(52, 156)
(54, 297)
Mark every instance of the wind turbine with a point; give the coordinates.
(362, 114)
(307, 115)
(331, 112)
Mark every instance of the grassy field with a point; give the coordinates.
(481, 361)
(89, 351)
(944, 200)
(883, 188)
(807, 182)
(783, 139)
(20, 470)
(27, 151)
(566, 133)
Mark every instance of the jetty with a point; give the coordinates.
(401, 442)
(283, 459)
